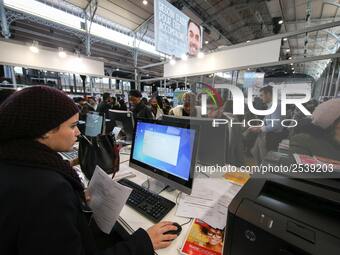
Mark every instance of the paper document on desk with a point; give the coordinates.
(107, 199)
(208, 201)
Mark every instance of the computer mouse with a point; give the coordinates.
(174, 232)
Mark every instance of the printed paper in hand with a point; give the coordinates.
(107, 199)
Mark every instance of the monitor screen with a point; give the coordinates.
(167, 149)
(94, 123)
(213, 142)
(124, 120)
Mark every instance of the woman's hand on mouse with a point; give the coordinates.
(158, 239)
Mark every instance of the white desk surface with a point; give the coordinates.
(131, 220)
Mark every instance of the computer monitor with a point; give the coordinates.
(124, 120)
(165, 151)
(213, 142)
(93, 125)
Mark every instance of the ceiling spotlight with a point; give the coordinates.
(184, 57)
(280, 22)
(248, 41)
(145, 2)
(117, 69)
(287, 50)
(285, 39)
(61, 53)
(172, 61)
(206, 42)
(291, 64)
(34, 47)
(290, 58)
(292, 68)
(200, 54)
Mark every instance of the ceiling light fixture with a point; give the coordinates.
(287, 50)
(280, 22)
(285, 39)
(172, 61)
(117, 69)
(34, 47)
(145, 2)
(61, 53)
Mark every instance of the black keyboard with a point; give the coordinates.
(152, 206)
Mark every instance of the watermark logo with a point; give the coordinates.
(289, 95)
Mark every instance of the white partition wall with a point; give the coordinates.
(20, 55)
(255, 54)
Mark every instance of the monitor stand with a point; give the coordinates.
(155, 186)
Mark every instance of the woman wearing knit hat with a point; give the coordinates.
(41, 195)
(323, 137)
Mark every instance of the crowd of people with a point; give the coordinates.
(315, 134)
(38, 122)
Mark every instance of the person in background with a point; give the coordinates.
(166, 106)
(85, 108)
(115, 105)
(122, 104)
(194, 38)
(156, 109)
(303, 121)
(270, 134)
(139, 109)
(92, 102)
(188, 108)
(105, 105)
(4, 93)
(42, 198)
(322, 136)
(145, 100)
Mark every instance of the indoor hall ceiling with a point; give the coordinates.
(127, 13)
(225, 22)
(113, 56)
(299, 14)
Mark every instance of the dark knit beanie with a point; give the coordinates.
(33, 111)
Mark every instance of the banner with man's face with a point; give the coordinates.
(175, 34)
(194, 38)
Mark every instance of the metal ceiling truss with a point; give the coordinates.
(12, 16)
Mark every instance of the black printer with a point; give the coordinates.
(284, 216)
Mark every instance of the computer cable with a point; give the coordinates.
(186, 222)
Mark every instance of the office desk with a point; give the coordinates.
(131, 220)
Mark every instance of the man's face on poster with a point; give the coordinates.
(194, 38)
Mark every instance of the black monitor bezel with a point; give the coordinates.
(155, 172)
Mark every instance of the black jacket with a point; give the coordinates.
(41, 214)
(142, 111)
(103, 108)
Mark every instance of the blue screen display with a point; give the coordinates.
(167, 148)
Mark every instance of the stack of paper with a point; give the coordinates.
(208, 201)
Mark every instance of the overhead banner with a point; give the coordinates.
(234, 58)
(16, 54)
(175, 33)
